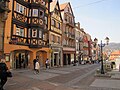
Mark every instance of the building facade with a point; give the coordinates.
(85, 48)
(89, 48)
(4, 10)
(40, 29)
(68, 35)
(79, 42)
(26, 33)
(55, 34)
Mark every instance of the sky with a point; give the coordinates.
(99, 18)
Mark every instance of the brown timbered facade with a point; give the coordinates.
(27, 33)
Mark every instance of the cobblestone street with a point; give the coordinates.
(66, 78)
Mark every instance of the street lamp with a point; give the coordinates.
(101, 45)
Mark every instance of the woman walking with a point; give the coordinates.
(3, 73)
(37, 67)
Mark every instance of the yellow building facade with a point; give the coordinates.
(55, 34)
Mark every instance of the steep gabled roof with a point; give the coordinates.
(64, 5)
(52, 5)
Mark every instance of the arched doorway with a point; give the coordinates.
(19, 59)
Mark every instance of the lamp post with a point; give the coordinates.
(101, 45)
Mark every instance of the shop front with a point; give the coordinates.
(69, 57)
(20, 59)
(56, 56)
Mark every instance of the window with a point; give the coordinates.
(17, 31)
(65, 16)
(20, 32)
(30, 13)
(67, 42)
(40, 34)
(41, 13)
(34, 33)
(58, 40)
(29, 30)
(46, 23)
(20, 8)
(35, 13)
(52, 22)
(44, 37)
(46, 20)
(17, 7)
(52, 38)
(68, 9)
(58, 25)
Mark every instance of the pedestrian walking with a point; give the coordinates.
(37, 67)
(34, 61)
(47, 63)
(3, 73)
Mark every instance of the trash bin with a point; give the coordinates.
(108, 66)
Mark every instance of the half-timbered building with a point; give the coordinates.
(26, 33)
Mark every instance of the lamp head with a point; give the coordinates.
(107, 40)
(95, 40)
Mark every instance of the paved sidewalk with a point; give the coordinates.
(113, 82)
(115, 74)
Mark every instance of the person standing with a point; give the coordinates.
(47, 63)
(37, 67)
(3, 73)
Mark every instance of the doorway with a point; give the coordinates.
(21, 60)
